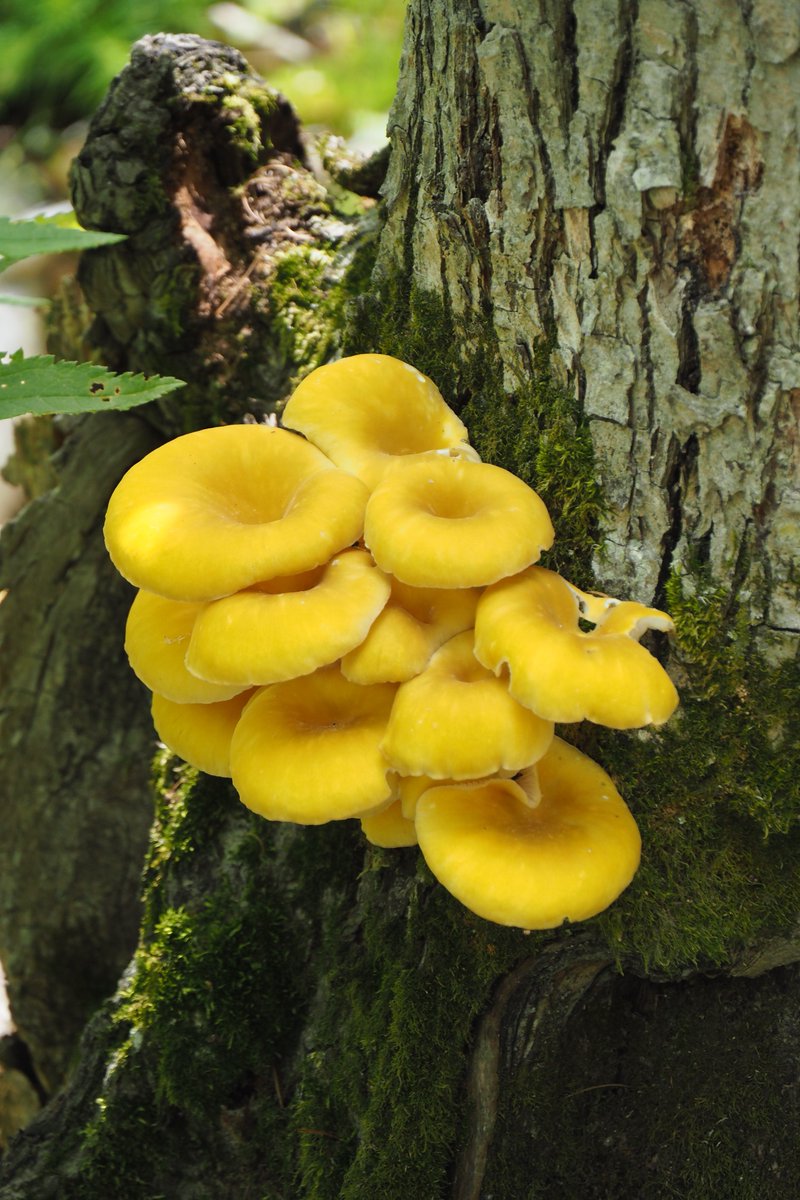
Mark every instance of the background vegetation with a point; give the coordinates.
(336, 60)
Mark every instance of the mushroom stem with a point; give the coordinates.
(531, 786)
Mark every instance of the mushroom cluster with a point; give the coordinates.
(344, 616)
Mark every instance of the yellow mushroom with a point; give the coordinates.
(200, 733)
(620, 616)
(156, 637)
(457, 721)
(389, 828)
(414, 623)
(411, 787)
(308, 750)
(530, 624)
(367, 410)
(258, 637)
(565, 858)
(628, 618)
(448, 523)
(220, 509)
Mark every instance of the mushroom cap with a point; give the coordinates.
(567, 858)
(200, 733)
(411, 787)
(308, 750)
(448, 523)
(157, 634)
(531, 625)
(257, 637)
(367, 410)
(620, 616)
(457, 721)
(389, 828)
(217, 510)
(631, 619)
(414, 623)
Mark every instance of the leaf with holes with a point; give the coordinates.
(41, 385)
(47, 235)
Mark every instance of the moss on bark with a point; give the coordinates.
(298, 1005)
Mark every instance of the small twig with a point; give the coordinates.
(277, 1083)
(236, 290)
(594, 1087)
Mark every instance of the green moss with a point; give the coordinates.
(209, 1006)
(310, 292)
(535, 430)
(245, 113)
(219, 961)
(224, 974)
(380, 1102)
(172, 297)
(246, 106)
(146, 201)
(302, 306)
(716, 793)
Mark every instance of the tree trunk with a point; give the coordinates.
(588, 241)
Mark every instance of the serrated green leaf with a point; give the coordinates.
(47, 235)
(42, 386)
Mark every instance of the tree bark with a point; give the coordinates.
(588, 242)
(74, 752)
(614, 177)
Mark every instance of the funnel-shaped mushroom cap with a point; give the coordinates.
(257, 637)
(156, 637)
(389, 828)
(567, 858)
(456, 721)
(220, 509)
(308, 750)
(200, 733)
(414, 623)
(368, 410)
(531, 624)
(448, 523)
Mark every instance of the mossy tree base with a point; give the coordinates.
(310, 1018)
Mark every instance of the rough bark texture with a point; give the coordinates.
(74, 752)
(196, 160)
(576, 249)
(614, 177)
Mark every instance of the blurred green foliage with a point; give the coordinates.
(349, 82)
(60, 55)
(337, 60)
